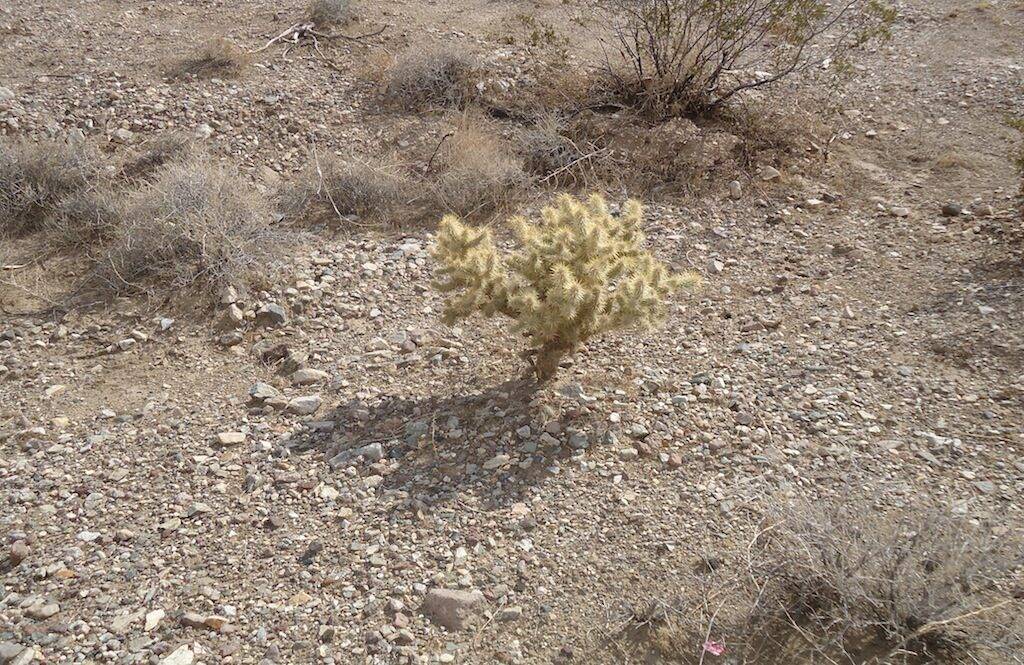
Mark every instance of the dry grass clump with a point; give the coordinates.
(549, 152)
(196, 223)
(330, 191)
(159, 151)
(328, 12)
(40, 180)
(848, 584)
(438, 79)
(477, 171)
(215, 57)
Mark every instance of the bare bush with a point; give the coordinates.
(215, 57)
(684, 57)
(848, 584)
(329, 191)
(41, 181)
(547, 149)
(328, 12)
(440, 79)
(196, 223)
(146, 161)
(477, 170)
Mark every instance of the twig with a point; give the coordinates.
(444, 138)
(572, 164)
(351, 38)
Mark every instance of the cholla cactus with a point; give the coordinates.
(579, 272)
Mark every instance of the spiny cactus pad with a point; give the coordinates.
(578, 272)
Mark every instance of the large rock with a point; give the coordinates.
(453, 609)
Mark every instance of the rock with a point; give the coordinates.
(451, 608)
(735, 190)
(304, 406)
(122, 135)
(497, 462)
(9, 650)
(232, 319)
(230, 438)
(899, 211)
(373, 452)
(308, 376)
(204, 131)
(770, 173)
(6, 95)
(181, 656)
(19, 552)
(153, 619)
(261, 392)
(43, 612)
(271, 315)
(509, 613)
(230, 339)
(715, 266)
(952, 210)
(192, 620)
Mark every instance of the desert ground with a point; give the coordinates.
(299, 472)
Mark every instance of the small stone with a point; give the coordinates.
(181, 656)
(204, 131)
(899, 211)
(271, 315)
(952, 210)
(232, 319)
(9, 650)
(215, 622)
(496, 462)
(307, 376)
(261, 392)
(43, 612)
(770, 173)
(509, 613)
(192, 620)
(451, 608)
(304, 406)
(153, 619)
(19, 552)
(715, 266)
(735, 190)
(230, 438)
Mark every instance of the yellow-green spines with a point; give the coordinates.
(579, 271)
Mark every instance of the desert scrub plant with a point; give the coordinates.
(420, 80)
(197, 223)
(330, 190)
(477, 171)
(688, 57)
(46, 183)
(579, 272)
(215, 57)
(146, 160)
(844, 582)
(328, 12)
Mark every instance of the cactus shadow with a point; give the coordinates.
(441, 448)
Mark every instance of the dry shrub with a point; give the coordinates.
(146, 161)
(38, 179)
(330, 191)
(440, 79)
(216, 57)
(687, 57)
(848, 584)
(195, 223)
(549, 152)
(477, 170)
(328, 12)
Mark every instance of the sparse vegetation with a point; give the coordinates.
(477, 171)
(165, 148)
(689, 57)
(580, 272)
(328, 12)
(440, 79)
(197, 222)
(215, 57)
(329, 190)
(846, 583)
(47, 183)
